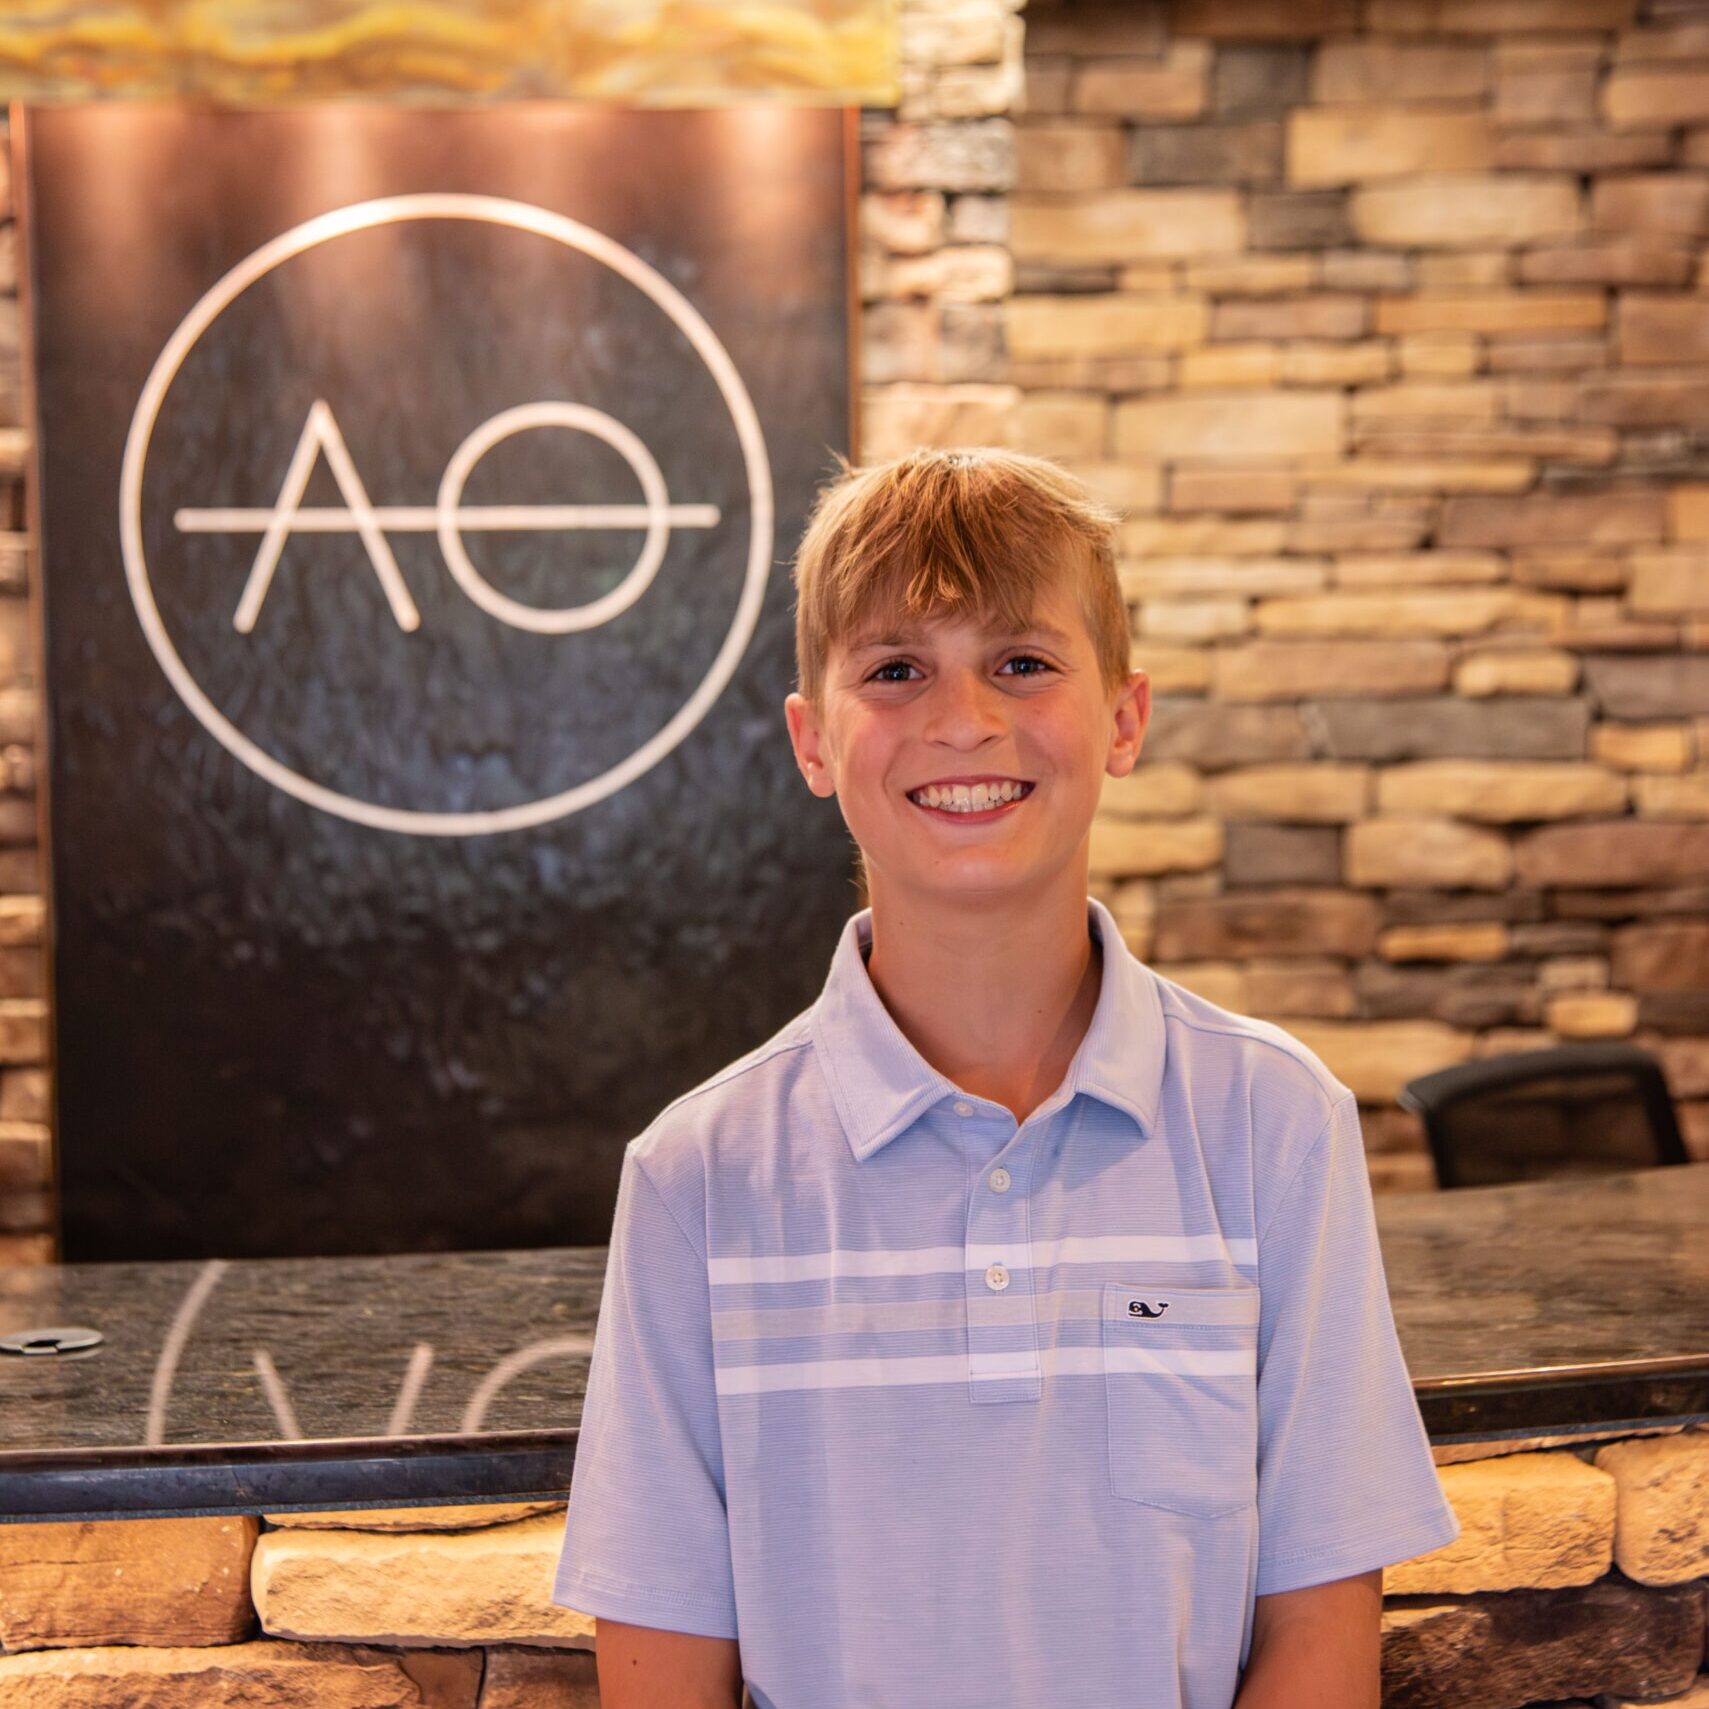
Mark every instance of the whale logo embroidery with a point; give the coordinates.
(1138, 1308)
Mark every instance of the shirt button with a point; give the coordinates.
(999, 1180)
(963, 1108)
(997, 1278)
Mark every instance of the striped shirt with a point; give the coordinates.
(926, 1407)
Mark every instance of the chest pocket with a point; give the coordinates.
(1181, 1383)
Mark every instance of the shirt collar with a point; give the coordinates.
(881, 1084)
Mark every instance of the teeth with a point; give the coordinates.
(965, 798)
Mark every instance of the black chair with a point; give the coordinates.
(1576, 1109)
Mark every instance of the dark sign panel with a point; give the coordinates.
(417, 494)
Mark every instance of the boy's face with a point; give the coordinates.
(950, 705)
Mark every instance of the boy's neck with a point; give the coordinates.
(995, 1000)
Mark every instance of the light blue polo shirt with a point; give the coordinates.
(928, 1408)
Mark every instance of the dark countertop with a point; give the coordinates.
(267, 1385)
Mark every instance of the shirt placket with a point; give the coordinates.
(1002, 1316)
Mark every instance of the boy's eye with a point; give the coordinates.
(1031, 659)
(890, 665)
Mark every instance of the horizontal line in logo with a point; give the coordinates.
(1037, 1255)
(425, 518)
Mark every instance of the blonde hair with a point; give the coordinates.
(984, 532)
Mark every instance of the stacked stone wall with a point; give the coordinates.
(1386, 324)
(1579, 1577)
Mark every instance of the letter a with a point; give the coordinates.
(320, 433)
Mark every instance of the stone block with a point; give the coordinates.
(1376, 1058)
(897, 419)
(1462, 212)
(1312, 988)
(1199, 620)
(1288, 318)
(1541, 83)
(539, 1679)
(1299, 220)
(1351, 144)
(1143, 848)
(1655, 97)
(23, 1031)
(1358, 70)
(260, 1675)
(976, 155)
(1183, 556)
(1569, 571)
(1281, 922)
(1252, 275)
(1530, 1645)
(145, 1581)
(1672, 204)
(1500, 791)
(1230, 427)
(1581, 149)
(1211, 735)
(1643, 747)
(1219, 367)
(1440, 354)
(1060, 424)
(1093, 29)
(1249, 153)
(1662, 955)
(1418, 611)
(1259, 79)
(1663, 330)
(1231, 491)
(1174, 670)
(1684, 797)
(1129, 225)
(1611, 517)
(469, 1516)
(903, 222)
(1256, 852)
(1313, 793)
(1389, 730)
(1613, 852)
(1646, 397)
(1638, 688)
(1688, 512)
(958, 273)
(1521, 310)
(1538, 670)
(1672, 583)
(1628, 260)
(1546, 353)
(1471, 940)
(1591, 1014)
(1172, 85)
(26, 1161)
(1307, 364)
(1419, 850)
(1296, 670)
(1063, 156)
(1220, 982)
(1103, 325)
(1662, 1532)
(417, 1588)
(1152, 790)
(1465, 996)
(1527, 1521)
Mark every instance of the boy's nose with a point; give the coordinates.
(964, 709)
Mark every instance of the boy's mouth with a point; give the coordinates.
(982, 798)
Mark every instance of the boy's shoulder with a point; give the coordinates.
(1208, 1038)
(739, 1088)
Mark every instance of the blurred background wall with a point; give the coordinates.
(1384, 323)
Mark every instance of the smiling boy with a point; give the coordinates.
(1009, 1329)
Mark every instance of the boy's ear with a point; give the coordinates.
(807, 738)
(1130, 716)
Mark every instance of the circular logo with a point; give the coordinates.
(449, 519)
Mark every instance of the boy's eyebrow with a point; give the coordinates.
(903, 637)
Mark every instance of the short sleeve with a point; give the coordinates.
(1345, 1477)
(646, 1539)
